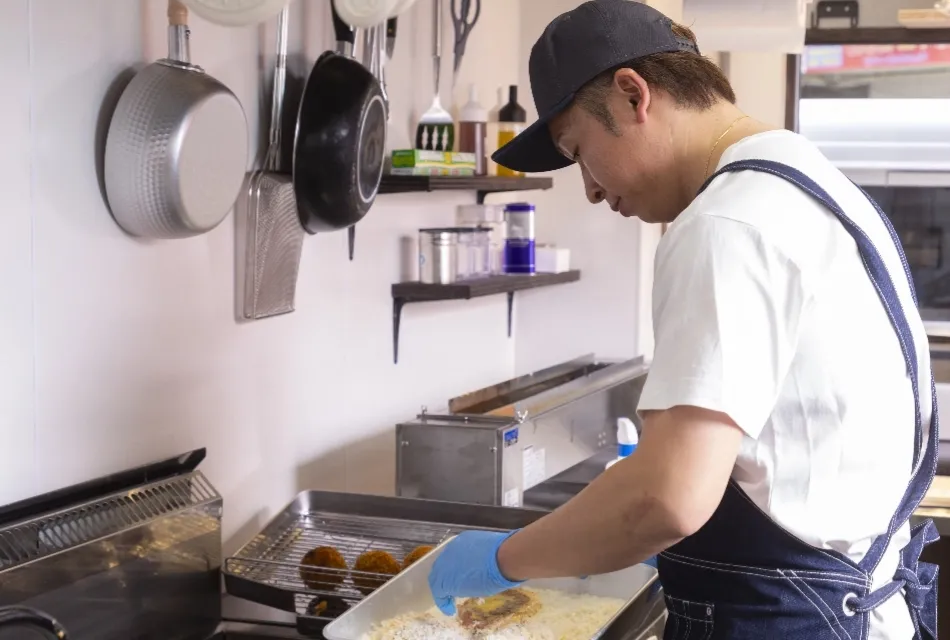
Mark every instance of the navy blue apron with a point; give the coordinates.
(742, 576)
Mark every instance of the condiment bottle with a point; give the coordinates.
(511, 121)
(627, 439)
(473, 127)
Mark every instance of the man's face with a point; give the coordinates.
(632, 168)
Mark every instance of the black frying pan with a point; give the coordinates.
(340, 140)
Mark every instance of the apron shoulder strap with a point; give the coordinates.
(925, 457)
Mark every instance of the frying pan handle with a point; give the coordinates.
(177, 13)
(179, 45)
(344, 32)
(370, 47)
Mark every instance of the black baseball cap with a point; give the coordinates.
(574, 49)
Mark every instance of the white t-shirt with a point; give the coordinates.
(763, 310)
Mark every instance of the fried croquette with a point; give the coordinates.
(379, 562)
(324, 557)
(417, 554)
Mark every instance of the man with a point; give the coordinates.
(789, 427)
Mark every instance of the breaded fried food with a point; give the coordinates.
(378, 562)
(415, 555)
(324, 558)
(506, 608)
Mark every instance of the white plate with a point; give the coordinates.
(364, 14)
(236, 13)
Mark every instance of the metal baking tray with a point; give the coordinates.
(408, 593)
(267, 569)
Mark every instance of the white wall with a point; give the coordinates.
(16, 256)
(118, 351)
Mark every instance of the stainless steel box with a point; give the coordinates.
(492, 445)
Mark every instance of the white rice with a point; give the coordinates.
(563, 616)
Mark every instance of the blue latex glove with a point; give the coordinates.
(468, 568)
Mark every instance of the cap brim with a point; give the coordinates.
(533, 150)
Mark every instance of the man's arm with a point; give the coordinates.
(665, 491)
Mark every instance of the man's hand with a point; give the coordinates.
(468, 568)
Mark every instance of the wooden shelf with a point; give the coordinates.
(882, 35)
(408, 292)
(482, 185)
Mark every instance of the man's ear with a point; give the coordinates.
(635, 91)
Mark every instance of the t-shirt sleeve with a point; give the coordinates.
(727, 306)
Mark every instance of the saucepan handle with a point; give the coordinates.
(344, 32)
(179, 47)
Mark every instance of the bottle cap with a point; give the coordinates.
(473, 111)
(627, 437)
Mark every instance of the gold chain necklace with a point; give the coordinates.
(718, 140)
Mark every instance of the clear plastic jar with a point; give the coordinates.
(492, 218)
(474, 243)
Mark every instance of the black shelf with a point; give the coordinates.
(482, 185)
(877, 35)
(408, 292)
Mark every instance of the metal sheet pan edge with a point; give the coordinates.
(409, 593)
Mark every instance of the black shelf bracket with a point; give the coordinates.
(405, 293)
(399, 303)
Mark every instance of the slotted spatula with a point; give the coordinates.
(436, 130)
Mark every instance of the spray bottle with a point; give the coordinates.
(627, 439)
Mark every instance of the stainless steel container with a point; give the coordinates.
(438, 255)
(408, 593)
(490, 446)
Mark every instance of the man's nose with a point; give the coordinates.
(595, 194)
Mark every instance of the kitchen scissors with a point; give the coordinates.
(463, 24)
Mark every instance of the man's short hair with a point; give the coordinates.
(692, 80)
